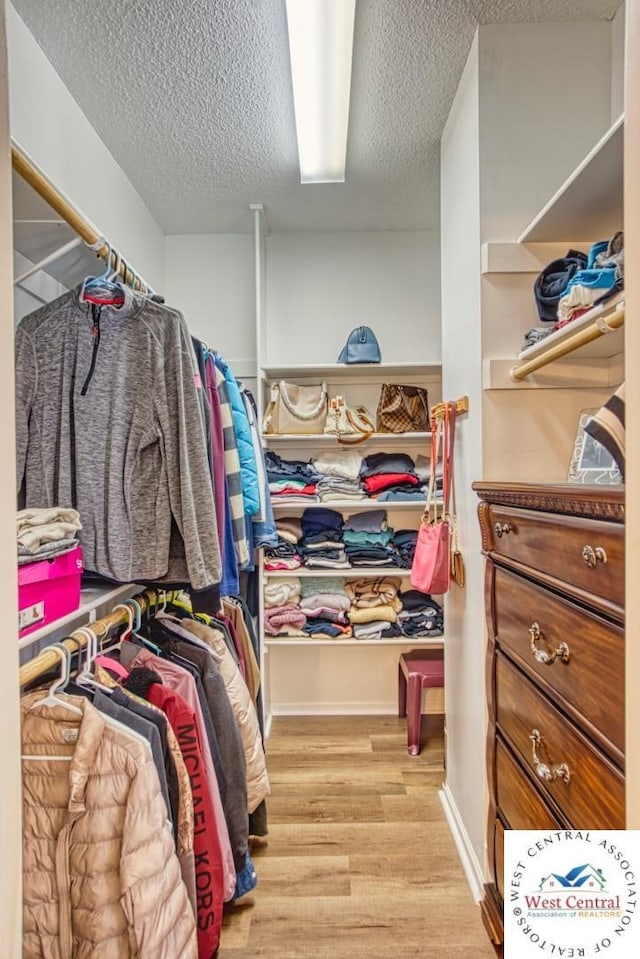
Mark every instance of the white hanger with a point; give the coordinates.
(52, 700)
(84, 678)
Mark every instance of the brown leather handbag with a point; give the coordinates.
(402, 409)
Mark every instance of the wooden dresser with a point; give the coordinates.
(554, 598)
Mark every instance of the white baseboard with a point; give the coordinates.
(472, 869)
(334, 709)
(268, 720)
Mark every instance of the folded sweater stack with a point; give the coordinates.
(46, 533)
(343, 475)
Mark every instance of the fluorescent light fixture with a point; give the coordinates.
(320, 48)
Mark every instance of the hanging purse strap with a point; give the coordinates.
(444, 428)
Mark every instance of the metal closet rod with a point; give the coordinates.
(29, 172)
(48, 659)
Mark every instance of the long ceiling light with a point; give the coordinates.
(320, 48)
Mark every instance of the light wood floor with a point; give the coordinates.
(360, 863)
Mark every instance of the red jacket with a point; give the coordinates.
(206, 848)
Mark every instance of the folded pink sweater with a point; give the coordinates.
(277, 616)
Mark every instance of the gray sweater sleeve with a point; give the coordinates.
(179, 417)
(26, 381)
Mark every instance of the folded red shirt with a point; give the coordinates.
(374, 484)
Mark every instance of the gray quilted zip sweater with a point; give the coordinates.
(109, 422)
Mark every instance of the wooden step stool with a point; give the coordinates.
(419, 669)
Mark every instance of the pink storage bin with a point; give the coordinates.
(48, 590)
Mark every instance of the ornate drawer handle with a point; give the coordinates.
(501, 528)
(593, 556)
(535, 633)
(548, 773)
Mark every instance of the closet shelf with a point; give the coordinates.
(332, 440)
(353, 572)
(597, 333)
(372, 371)
(395, 641)
(92, 598)
(587, 353)
(349, 505)
(589, 204)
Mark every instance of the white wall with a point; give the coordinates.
(321, 285)
(545, 100)
(48, 123)
(527, 149)
(462, 364)
(617, 62)
(211, 280)
(10, 798)
(34, 291)
(504, 151)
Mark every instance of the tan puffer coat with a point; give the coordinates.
(243, 709)
(101, 877)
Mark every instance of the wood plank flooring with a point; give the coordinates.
(359, 862)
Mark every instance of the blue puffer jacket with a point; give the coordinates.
(248, 465)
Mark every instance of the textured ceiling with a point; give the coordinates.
(193, 98)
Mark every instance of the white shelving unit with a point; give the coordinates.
(587, 352)
(95, 601)
(325, 675)
(589, 204)
(330, 439)
(344, 506)
(435, 641)
(380, 372)
(353, 572)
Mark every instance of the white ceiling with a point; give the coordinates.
(193, 98)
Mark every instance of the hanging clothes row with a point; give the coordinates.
(123, 417)
(140, 778)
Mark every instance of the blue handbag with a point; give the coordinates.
(361, 347)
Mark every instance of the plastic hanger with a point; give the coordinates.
(59, 684)
(85, 678)
(103, 290)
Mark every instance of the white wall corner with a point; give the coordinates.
(617, 62)
(472, 869)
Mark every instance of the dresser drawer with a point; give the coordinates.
(594, 669)
(520, 805)
(585, 554)
(594, 796)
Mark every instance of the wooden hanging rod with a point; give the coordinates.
(30, 173)
(462, 406)
(48, 659)
(599, 327)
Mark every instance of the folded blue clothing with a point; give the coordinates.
(373, 521)
(322, 536)
(353, 537)
(415, 601)
(318, 520)
(277, 468)
(602, 279)
(386, 463)
(402, 496)
(403, 537)
(322, 626)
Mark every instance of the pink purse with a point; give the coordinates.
(431, 569)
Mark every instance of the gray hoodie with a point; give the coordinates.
(109, 422)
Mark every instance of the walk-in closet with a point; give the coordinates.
(316, 418)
